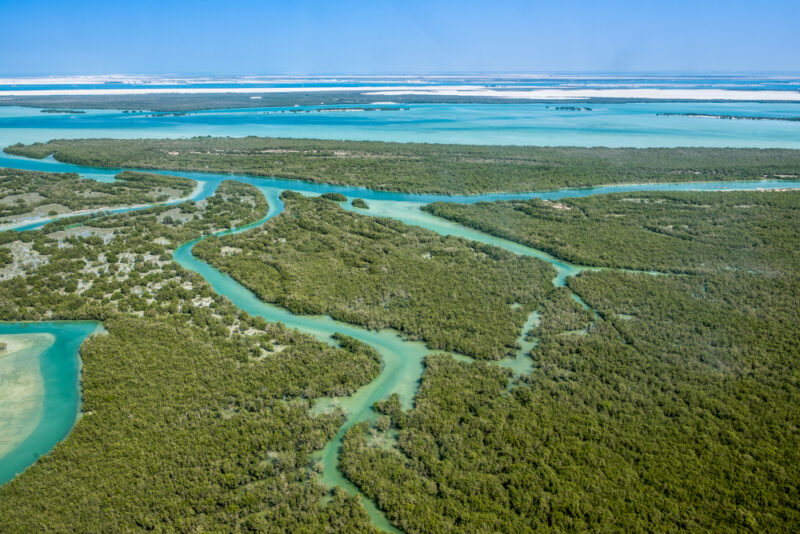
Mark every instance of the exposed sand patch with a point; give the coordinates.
(21, 387)
(229, 251)
(23, 256)
(27, 198)
(10, 344)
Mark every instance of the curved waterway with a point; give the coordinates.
(402, 359)
(39, 389)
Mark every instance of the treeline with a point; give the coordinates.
(21, 192)
(424, 168)
(316, 258)
(195, 414)
(681, 232)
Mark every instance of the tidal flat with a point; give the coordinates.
(21, 387)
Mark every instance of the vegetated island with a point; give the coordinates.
(173, 114)
(730, 117)
(195, 414)
(194, 102)
(568, 108)
(424, 168)
(71, 111)
(337, 109)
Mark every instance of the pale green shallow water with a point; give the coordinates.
(609, 124)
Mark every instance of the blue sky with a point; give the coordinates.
(384, 36)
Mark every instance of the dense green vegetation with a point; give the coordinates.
(359, 203)
(731, 117)
(25, 193)
(678, 232)
(195, 414)
(665, 403)
(336, 197)
(675, 408)
(682, 417)
(424, 168)
(316, 258)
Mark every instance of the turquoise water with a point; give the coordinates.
(612, 125)
(57, 401)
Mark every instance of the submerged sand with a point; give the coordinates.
(21, 387)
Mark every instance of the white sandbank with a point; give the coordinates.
(442, 90)
(583, 94)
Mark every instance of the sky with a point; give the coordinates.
(386, 36)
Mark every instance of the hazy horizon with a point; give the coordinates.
(508, 36)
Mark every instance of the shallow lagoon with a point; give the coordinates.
(42, 381)
(612, 125)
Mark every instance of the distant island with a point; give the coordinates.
(62, 111)
(340, 109)
(569, 108)
(174, 114)
(729, 117)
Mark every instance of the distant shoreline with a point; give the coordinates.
(533, 94)
(729, 117)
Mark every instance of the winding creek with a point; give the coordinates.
(402, 359)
